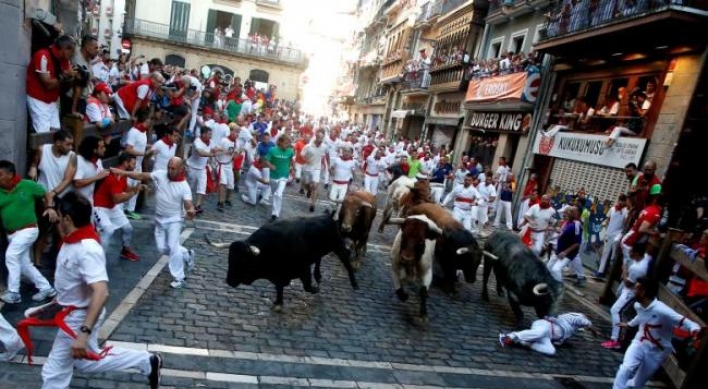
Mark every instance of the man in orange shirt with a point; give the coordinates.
(299, 159)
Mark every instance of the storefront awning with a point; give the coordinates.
(402, 113)
(444, 121)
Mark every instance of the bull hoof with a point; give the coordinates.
(356, 264)
(355, 285)
(402, 295)
(277, 307)
(312, 289)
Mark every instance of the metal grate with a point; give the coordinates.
(605, 183)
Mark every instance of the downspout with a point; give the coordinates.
(545, 93)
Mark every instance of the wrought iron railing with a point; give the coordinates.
(565, 19)
(419, 79)
(496, 5)
(212, 41)
(450, 5)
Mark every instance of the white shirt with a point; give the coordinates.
(86, 169)
(503, 173)
(615, 222)
(484, 193)
(252, 178)
(637, 269)
(343, 170)
(540, 219)
(226, 159)
(313, 155)
(138, 140)
(162, 154)
(463, 197)
(100, 71)
(97, 111)
(51, 168)
(79, 265)
(568, 323)
(332, 147)
(374, 166)
(220, 131)
(195, 160)
(170, 196)
(659, 321)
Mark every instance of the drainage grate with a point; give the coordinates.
(569, 383)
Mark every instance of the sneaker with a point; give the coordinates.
(599, 275)
(611, 345)
(312, 208)
(580, 281)
(44, 294)
(273, 217)
(265, 202)
(11, 352)
(198, 209)
(505, 340)
(302, 191)
(228, 202)
(190, 260)
(155, 367)
(128, 254)
(11, 298)
(133, 215)
(178, 284)
(220, 207)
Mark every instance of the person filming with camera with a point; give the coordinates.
(74, 102)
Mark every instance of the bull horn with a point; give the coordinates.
(220, 245)
(435, 229)
(254, 250)
(540, 289)
(396, 220)
(489, 255)
(463, 250)
(366, 204)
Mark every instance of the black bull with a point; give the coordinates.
(285, 250)
(526, 279)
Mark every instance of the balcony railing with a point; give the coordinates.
(210, 41)
(413, 80)
(450, 5)
(564, 20)
(451, 77)
(496, 5)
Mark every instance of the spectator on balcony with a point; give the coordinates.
(584, 111)
(48, 72)
(505, 63)
(132, 97)
(579, 14)
(228, 35)
(604, 12)
(425, 63)
(612, 105)
(74, 101)
(635, 124)
(97, 111)
(650, 91)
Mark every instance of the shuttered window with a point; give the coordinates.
(605, 183)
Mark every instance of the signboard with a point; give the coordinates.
(518, 122)
(591, 148)
(499, 88)
(450, 105)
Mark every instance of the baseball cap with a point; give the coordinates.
(655, 189)
(103, 87)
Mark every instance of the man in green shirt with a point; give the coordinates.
(17, 212)
(414, 164)
(280, 161)
(233, 109)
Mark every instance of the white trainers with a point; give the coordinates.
(11, 298)
(178, 284)
(44, 294)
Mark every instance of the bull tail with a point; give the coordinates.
(220, 245)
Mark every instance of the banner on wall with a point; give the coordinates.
(591, 148)
(510, 86)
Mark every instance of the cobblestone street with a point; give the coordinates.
(215, 336)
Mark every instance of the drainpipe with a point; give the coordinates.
(544, 94)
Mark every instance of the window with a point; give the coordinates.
(265, 27)
(516, 44)
(179, 20)
(175, 60)
(592, 94)
(258, 75)
(495, 47)
(536, 34)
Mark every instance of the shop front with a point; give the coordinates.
(445, 119)
(408, 120)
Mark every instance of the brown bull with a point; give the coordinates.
(356, 216)
(405, 193)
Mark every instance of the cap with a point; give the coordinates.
(103, 87)
(655, 189)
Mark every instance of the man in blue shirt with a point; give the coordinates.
(569, 238)
(260, 126)
(437, 181)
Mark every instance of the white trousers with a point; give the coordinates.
(130, 204)
(298, 170)
(436, 192)
(464, 216)
(107, 221)
(556, 265)
(537, 338)
(641, 361)
(59, 367)
(197, 180)
(537, 241)
(503, 208)
(482, 215)
(523, 207)
(17, 260)
(193, 119)
(252, 189)
(278, 187)
(612, 244)
(8, 336)
(167, 240)
(337, 192)
(371, 184)
(44, 116)
(226, 176)
(625, 298)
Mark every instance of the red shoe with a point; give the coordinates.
(128, 254)
(611, 345)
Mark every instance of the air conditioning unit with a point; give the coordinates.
(109, 10)
(107, 33)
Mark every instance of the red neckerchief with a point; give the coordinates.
(180, 177)
(346, 158)
(206, 141)
(13, 183)
(140, 127)
(618, 207)
(168, 141)
(81, 233)
(94, 161)
(232, 137)
(546, 206)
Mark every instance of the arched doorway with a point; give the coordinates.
(175, 60)
(258, 75)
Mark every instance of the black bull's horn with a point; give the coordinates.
(540, 289)
(254, 250)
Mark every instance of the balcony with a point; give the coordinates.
(391, 70)
(501, 11)
(605, 29)
(415, 83)
(375, 99)
(270, 3)
(451, 5)
(429, 12)
(450, 77)
(207, 41)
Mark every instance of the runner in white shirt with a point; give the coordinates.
(465, 196)
(82, 282)
(89, 168)
(164, 149)
(202, 150)
(487, 195)
(136, 145)
(613, 235)
(192, 97)
(342, 173)
(313, 153)
(332, 141)
(540, 218)
(173, 197)
(375, 165)
(256, 182)
(225, 159)
(548, 332)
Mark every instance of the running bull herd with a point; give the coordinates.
(285, 250)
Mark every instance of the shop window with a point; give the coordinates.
(483, 147)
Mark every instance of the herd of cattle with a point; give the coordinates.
(285, 250)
